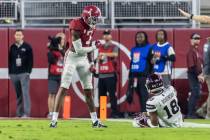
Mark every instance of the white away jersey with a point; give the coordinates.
(167, 108)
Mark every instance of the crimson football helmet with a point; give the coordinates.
(154, 83)
(91, 15)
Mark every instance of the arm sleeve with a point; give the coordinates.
(192, 60)
(151, 105)
(80, 49)
(150, 56)
(171, 58)
(171, 51)
(30, 59)
(171, 55)
(149, 59)
(131, 55)
(10, 60)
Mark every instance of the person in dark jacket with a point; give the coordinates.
(194, 73)
(20, 67)
(140, 67)
(204, 110)
(55, 67)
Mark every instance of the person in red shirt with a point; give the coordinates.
(194, 72)
(78, 58)
(108, 53)
(55, 55)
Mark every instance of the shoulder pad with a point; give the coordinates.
(75, 25)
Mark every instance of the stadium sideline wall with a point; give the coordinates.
(38, 38)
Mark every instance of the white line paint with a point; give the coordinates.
(37, 73)
(4, 73)
(42, 73)
(179, 73)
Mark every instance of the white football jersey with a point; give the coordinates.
(167, 108)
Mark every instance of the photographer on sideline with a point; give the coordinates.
(55, 56)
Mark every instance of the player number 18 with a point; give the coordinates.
(174, 108)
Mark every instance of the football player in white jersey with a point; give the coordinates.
(162, 106)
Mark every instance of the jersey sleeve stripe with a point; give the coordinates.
(150, 106)
(151, 110)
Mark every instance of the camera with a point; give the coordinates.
(54, 42)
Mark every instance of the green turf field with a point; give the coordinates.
(81, 130)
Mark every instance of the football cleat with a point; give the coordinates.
(53, 124)
(98, 124)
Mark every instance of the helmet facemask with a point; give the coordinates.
(92, 21)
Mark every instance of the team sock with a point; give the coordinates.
(93, 116)
(55, 116)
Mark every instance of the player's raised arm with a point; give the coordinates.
(199, 18)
